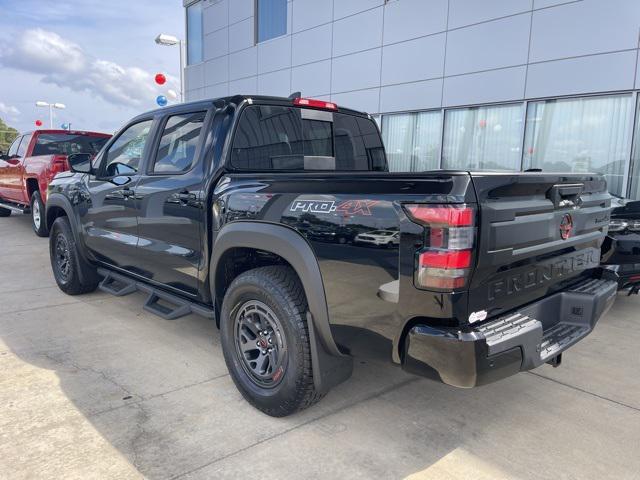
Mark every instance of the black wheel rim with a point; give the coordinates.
(260, 343)
(62, 257)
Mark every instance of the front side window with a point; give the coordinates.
(412, 141)
(194, 33)
(177, 149)
(591, 134)
(271, 19)
(483, 138)
(124, 155)
(281, 138)
(67, 144)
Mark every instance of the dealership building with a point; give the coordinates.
(463, 84)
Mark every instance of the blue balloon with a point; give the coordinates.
(161, 100)
(64, 126)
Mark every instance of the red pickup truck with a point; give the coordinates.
(31, 162)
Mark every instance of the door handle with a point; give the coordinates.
(127, 192)
(186, 197)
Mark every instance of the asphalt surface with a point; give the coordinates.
(94, 387)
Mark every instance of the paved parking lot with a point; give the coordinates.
(94, 387)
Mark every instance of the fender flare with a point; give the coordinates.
(330, 366)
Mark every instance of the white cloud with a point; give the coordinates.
(9, 110)
(65, 63)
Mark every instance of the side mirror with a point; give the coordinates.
(80, 162)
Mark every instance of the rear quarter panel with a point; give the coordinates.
(332, 211)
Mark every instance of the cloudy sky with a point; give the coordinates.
(96, 56)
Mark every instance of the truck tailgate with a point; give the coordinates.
(537, 233)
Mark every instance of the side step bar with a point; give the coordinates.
(163, 304)
(15, 207)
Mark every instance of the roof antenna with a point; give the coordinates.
(295, 95)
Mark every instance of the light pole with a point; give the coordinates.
(51, 106)
(168, 41)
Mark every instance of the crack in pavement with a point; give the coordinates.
(142, 399)
(578, 389)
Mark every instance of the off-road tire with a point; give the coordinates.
(279, 288)
(38, 221)
(73, 274)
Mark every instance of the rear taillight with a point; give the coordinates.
(309, 102)
(445, 261)
(59, 164)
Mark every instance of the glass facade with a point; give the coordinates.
(271, 19)
(483, 138)
(581, 134)
(194, 33)
(591, 134)
(412, 141)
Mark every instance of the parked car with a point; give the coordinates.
(621, 249)
(379, 238)
(495, 273)
(31, 162)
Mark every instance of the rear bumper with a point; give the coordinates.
(516, 342)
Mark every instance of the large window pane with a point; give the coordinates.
(194, 33)
(635, 161)
(272, 19)
(580, 135)
(412, 141)
(483, 138)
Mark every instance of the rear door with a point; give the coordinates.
(170, 203)
(538, 232)
(110, 224)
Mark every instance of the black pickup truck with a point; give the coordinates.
(226, 207)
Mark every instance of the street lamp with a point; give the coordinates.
(59, 106)
(169, 41)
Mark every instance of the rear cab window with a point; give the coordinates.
(302, 139)
(67, 144)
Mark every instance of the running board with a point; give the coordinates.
(14, 207)
(163, 304)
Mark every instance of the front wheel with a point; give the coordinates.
(5, 212)
(265, 340)
(73, 274)
(37, 215)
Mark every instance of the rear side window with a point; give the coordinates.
(67, 144)
(290, 138)
(24, 144)
(177, 149)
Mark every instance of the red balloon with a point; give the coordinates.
(38, 123)
(160, 79)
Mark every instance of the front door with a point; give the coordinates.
(7, 167)
(110, 224)
(170, 199)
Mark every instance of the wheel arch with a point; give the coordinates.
(330, 365)
(58, 206)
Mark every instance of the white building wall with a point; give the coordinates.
(397, 55)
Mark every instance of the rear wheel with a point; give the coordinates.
(73, 274)
(265, 340)
(37, 215)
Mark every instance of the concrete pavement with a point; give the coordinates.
(94, 387)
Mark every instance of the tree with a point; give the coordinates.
(7, 135)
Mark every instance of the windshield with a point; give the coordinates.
(67, 144)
